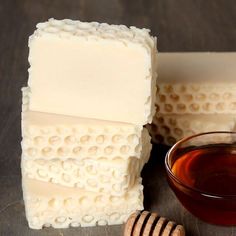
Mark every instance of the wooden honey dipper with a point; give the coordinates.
(150, 224)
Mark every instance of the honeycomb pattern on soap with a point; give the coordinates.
(86, 209)
(50, 143)
(205, 98)
(113, 176)
(168, 129)
(74, 29)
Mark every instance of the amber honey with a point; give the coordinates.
(205, 181)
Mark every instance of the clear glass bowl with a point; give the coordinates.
(201, 170)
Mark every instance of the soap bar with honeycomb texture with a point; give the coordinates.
(49, 136)
(46, 136)
(114, 175)
(100, 71)
(168, 129)
(53, 205)
(196, 83)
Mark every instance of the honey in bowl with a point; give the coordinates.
(203, 177)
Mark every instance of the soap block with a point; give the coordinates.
(53, 205)
(108, 71)
(105, 174)
(92, 154)
(168, 129)
(196, 83)
(48, 136)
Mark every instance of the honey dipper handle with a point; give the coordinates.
(150, 224)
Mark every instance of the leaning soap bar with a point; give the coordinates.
(99, 71)
(49, 136)
(196, 83)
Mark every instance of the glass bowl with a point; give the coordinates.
(201, 170)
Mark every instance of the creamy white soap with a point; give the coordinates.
(67, 132)
(50, 204)
(196, 83)
(93, 70)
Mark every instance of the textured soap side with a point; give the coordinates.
(130, 37)
(101, 176)
(49, 204)
(93, 30)
(195, 98)
(79, 140)
(168, 129)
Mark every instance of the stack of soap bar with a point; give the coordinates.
(195, 93)
(91, 89)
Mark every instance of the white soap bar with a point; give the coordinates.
(50, 204)
(114, 176)
(196, 83)
(49, 136)
(93, 70)
(52, 136)
(168, 129)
